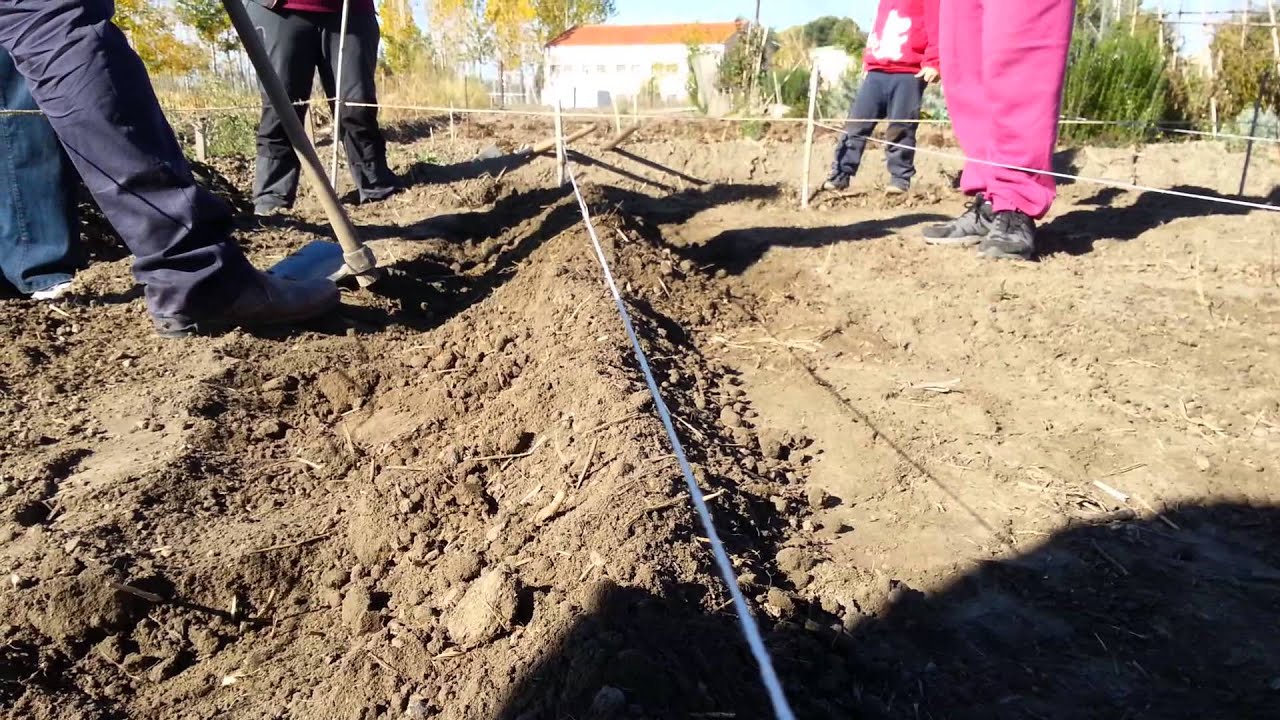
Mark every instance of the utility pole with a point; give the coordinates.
(759, 64)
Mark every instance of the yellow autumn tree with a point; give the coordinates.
(513, 30)
(464, 32)
(404, 45)
(150, 31)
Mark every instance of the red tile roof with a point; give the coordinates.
(615, 35)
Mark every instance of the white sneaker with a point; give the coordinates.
(57, 292)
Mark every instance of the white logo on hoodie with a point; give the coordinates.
(893, 36)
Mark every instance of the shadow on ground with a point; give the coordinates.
(1076, 232)
(1124, 619)
(734, 251)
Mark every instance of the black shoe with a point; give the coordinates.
(968, 229)
(264, 300)
(1012, 237)
(837, 182)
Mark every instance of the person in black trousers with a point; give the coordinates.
(302, 37)
(98, 98)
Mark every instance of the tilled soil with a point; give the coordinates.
(951, 488)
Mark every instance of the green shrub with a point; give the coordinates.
(1118, 76)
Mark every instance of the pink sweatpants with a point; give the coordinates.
(1003, 64)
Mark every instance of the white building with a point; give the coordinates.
(832, 64)
(589, 65)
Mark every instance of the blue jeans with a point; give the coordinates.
(896, 96)
(37, 193)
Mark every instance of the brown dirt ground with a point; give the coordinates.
(453, 499)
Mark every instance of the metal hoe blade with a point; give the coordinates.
(316, 260)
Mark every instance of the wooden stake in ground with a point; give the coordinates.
(202, 144)
(617, 114)
(337, 93)
(452, 133)
(620, 138)
(1160, 24)
(561, 156)
(1275, 33)
(808, 139)
(550, 145)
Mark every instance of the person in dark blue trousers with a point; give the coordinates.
(97, 96)
(38, 237)
(900, 61)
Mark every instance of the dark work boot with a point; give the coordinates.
(1012, 237)
(968, 229)
(264, 300)
(837, 182)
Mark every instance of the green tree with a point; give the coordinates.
(1242, 67)
(841, 32)
(556, 16)
(210, 21)
(404, 47)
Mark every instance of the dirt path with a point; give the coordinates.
(952, 488)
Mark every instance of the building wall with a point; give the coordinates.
(583, 76)
(832, 64)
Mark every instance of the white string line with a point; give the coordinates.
(1107, 182)
(781, 708)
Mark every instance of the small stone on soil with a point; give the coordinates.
(486, 610)
(457, 567)
(356, 613)
(446, 360)
(609, 702)
(730, 419)
(818, 498)
(781, 601)
(268, 429)
(795, 561)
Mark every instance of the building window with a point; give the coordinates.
(602, 69)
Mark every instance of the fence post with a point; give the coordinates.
(561, 155)
(1275, 33)
(202, 143)
(808, 139)
(1160, 24)
(1253, 130)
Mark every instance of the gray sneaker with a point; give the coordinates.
(968, 229)
(265, 300)
(1012, 237)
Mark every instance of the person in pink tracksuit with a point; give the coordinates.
(1003, 64)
